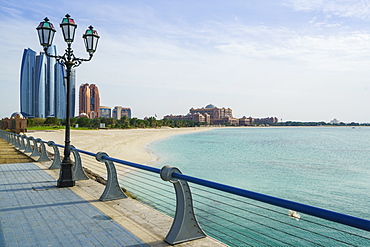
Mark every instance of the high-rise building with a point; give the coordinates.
(119, 111)
(84, 99)
(94, 101)
(60, 97)
(72, 105)
(27, 82)
(89, 100)
(105, 111)
(42, 86)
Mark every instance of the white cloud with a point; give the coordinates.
(343, 8)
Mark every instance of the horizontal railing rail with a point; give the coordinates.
(185, 226)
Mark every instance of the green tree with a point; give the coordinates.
(126, 125)
(30, 122)
(95, 122)
(84, 122)
(141, 123)
(152, 122)
(112, 121)
(52, 121)
(124, 119)
(72, 121)
(133, 122)
(38, 121)
(165, 122)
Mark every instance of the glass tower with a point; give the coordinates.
(26, 81)
(42, 86)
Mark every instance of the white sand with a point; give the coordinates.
(125, 144)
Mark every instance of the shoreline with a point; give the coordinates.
(127, 144)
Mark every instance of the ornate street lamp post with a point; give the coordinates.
(46, 33)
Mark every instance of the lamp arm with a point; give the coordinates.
(83, 59)
(77, 61)
(49, 55)
(68, 57)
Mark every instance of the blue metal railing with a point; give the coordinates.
(314, 211)
(175, 176)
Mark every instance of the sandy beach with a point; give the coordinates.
(126, 144)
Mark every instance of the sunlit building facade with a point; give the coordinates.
(89, 100)
(213, 115)
(119, 111)
(105, 111)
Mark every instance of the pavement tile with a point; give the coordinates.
(51, 216)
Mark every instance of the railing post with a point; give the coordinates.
(17, 141)
(12, 139)
(112, 189)
(5, 134)
(185, 226)
(28, 146)
(35, 151)
(7, 137)
(22, 147)
(56, 161)
(44, 155)
(77, 170)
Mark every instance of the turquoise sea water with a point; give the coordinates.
(327, 167)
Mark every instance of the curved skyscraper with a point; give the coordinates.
(26, 81)
(60, 92)
(42, 86)
(39, 86)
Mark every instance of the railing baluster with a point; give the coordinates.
(56, 161)
(28, 146)
(35, 151)
(22, 147)
(44, 155)
(78, 172)
(185, 226)
(112, 190)
(18, 141)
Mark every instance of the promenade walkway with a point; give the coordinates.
(34, 212)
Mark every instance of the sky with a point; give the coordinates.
(297, 60)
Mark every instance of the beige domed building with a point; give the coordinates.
(16, 123)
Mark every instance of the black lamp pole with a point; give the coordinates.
(46, 33)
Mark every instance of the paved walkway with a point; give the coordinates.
(34, 212)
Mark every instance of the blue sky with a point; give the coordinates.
(304, 60)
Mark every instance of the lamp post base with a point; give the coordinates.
(65, 176)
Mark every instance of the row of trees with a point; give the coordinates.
(293, 123)
(126, 122)
(123, 123)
